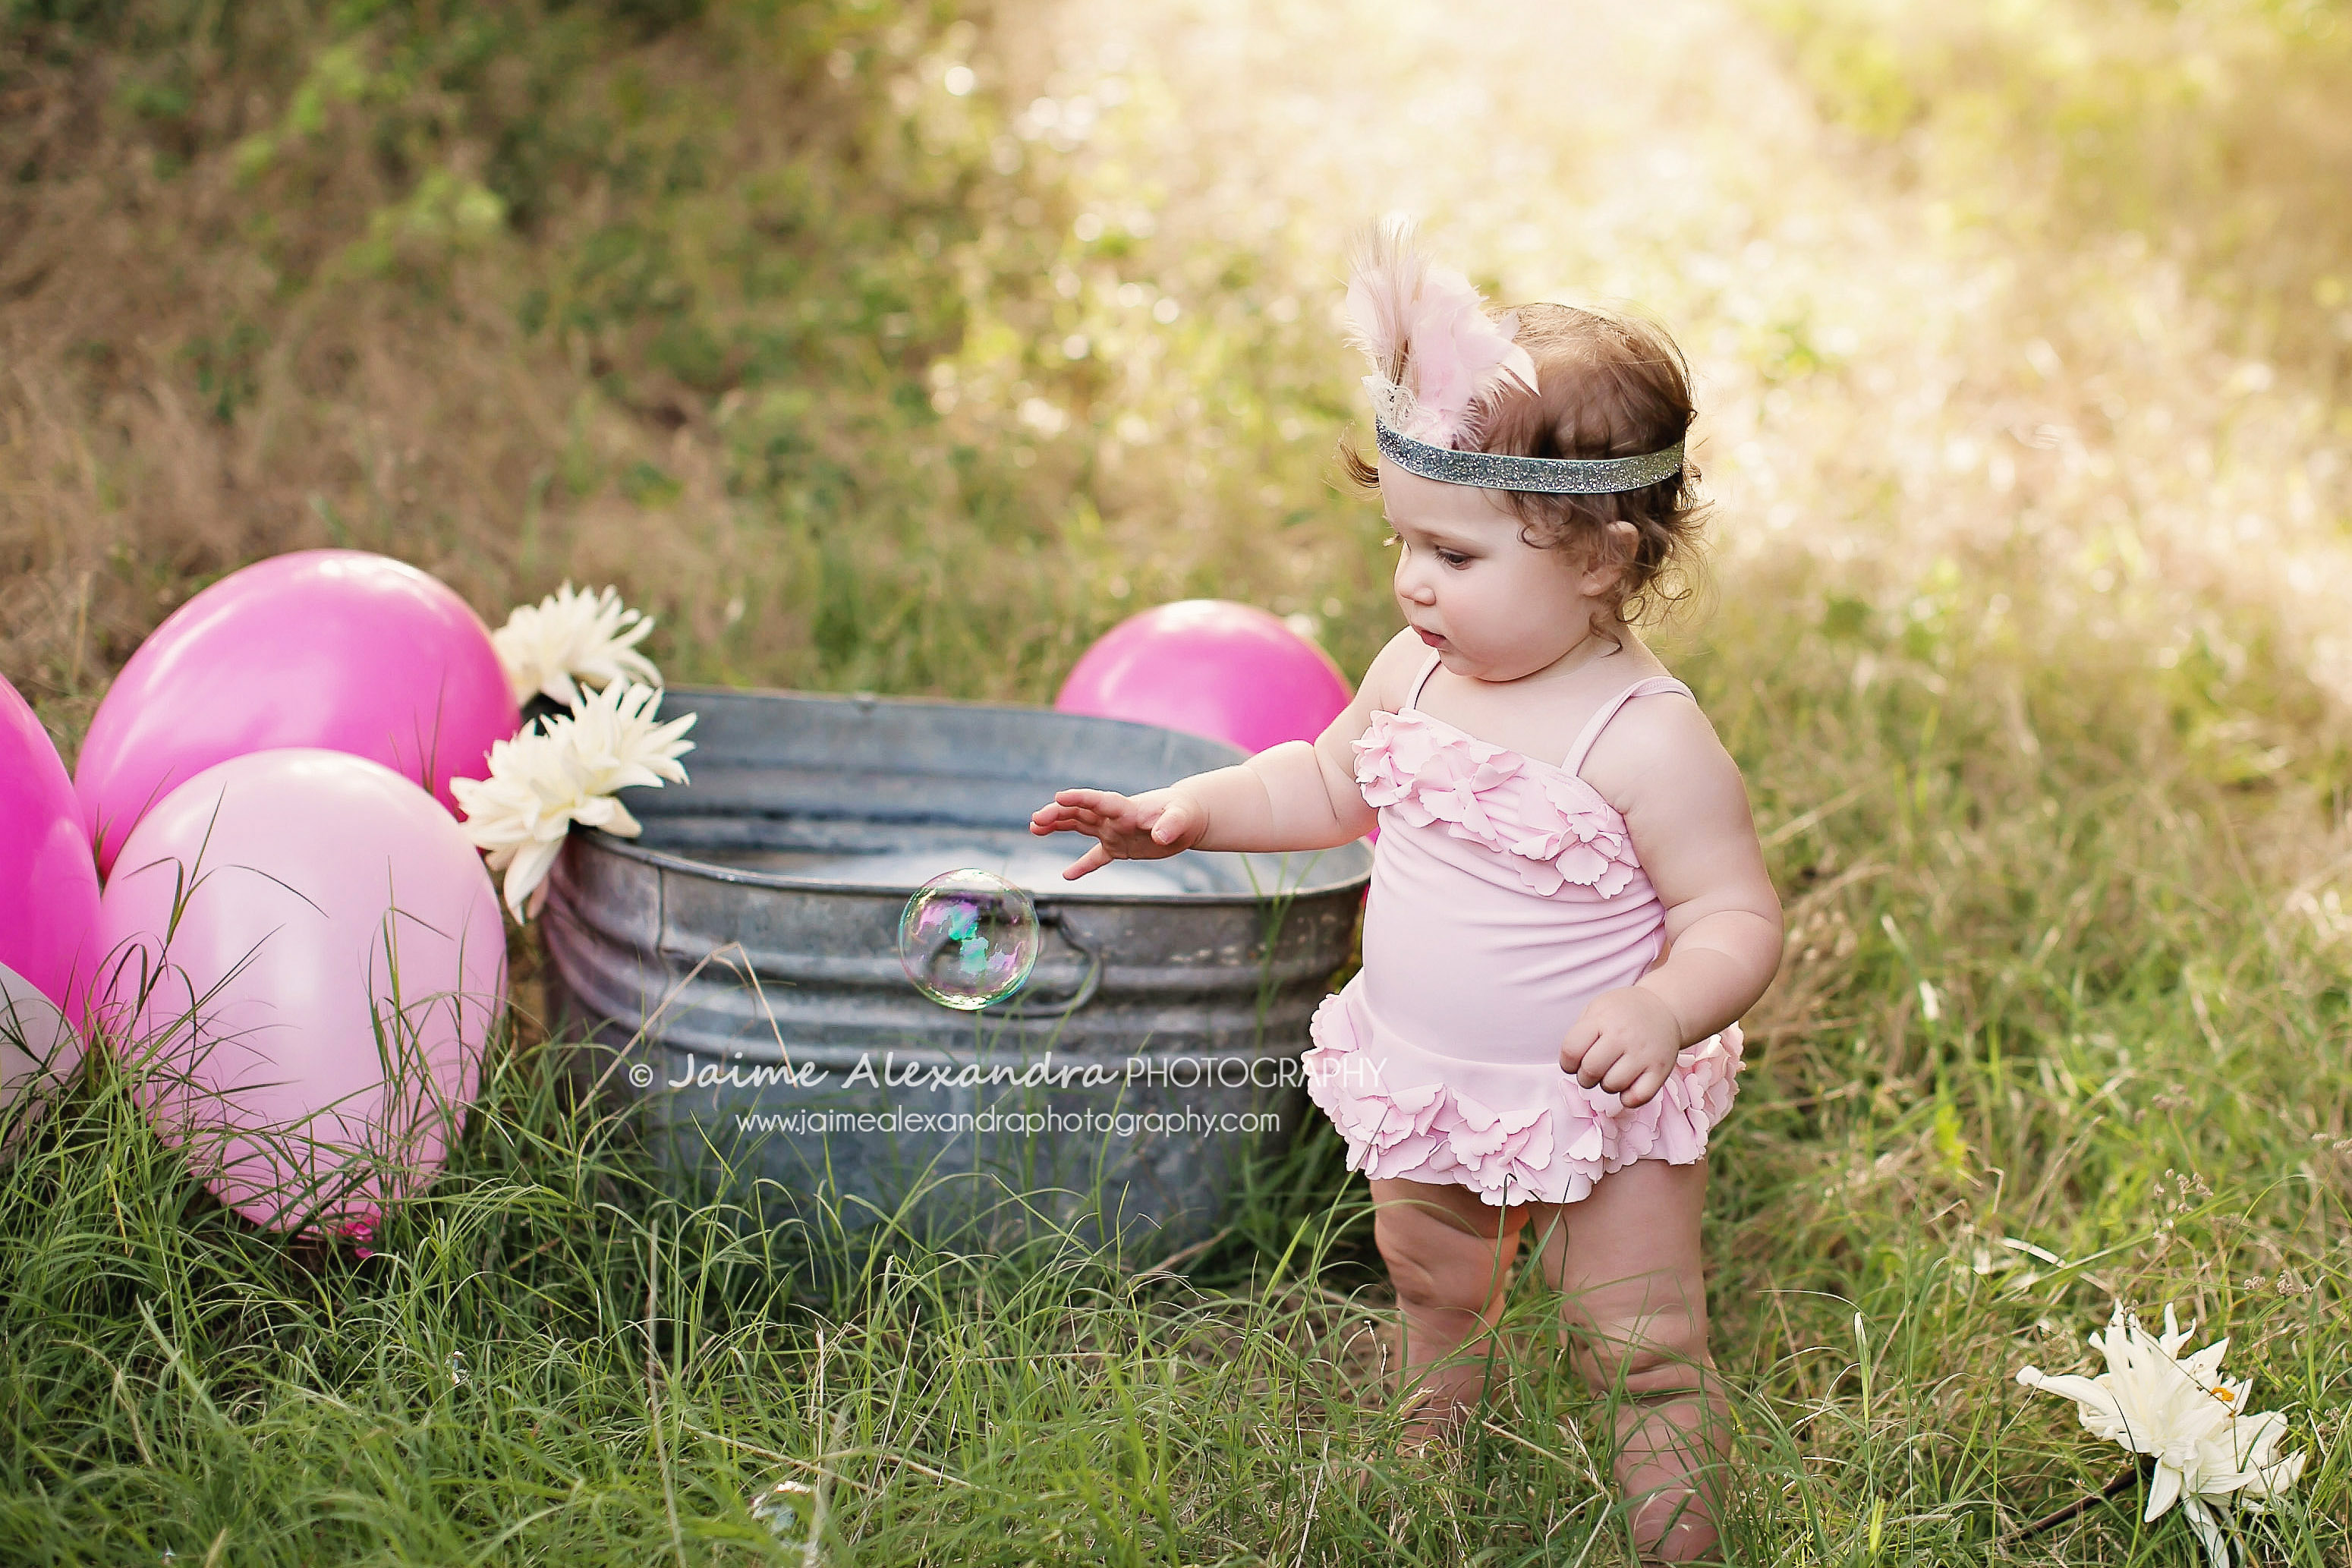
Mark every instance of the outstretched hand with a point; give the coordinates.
(1148, 827)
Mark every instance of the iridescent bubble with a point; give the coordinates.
(780, 1507)
(968, 938)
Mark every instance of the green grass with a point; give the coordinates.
(640, 293)
(547, 1357)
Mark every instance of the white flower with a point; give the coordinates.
(571, 636)
(564, 771)
(2182, 1413)
(523, 811)
(618, 743)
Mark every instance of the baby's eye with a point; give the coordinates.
(1454, 558)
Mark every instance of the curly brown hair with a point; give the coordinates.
(1610, 386)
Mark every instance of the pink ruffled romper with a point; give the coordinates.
(1505, 895)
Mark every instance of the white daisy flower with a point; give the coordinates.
(548, 649)
(564, 771)
(2183, 1414)
(523, 811)
(618, 740)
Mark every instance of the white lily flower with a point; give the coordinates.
(564, 771)
(570, 636)
(2183, 1414)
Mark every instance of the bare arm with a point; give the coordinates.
(1295, 796)
(1688, 810)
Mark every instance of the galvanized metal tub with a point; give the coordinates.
(737, 968)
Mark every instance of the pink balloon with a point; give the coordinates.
(307, 957)
(1211, 667)
(338, 648)
(48, 886)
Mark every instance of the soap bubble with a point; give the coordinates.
(968, 938)
(778, 1508)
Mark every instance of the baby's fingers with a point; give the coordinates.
(1174, 821)
(1096, 858)
(1599, 1059)
(1645, 1088)
(1053, 819)
(1579, 1040)
(1624, 1073)
(1104, 802)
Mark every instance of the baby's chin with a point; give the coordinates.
(1496, 667)
(1469, 665)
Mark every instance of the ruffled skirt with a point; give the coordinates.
(1512, 1133)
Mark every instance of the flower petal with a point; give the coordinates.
(2209, 1532)
(1557, 830)
(526, 870)
(2163, 1494)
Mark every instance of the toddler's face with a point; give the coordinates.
(1495, 606)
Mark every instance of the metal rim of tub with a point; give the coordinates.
(630, 849)
(669, 861)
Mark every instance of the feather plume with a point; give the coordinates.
(1384, 272)
(1437, 357)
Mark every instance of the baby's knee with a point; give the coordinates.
(1434, 1263)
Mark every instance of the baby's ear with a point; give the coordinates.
(1608, 558)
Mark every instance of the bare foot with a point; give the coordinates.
(1430, 1424)
(1688, 1540)
(1424, 1440)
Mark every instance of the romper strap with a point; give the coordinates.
(1647, 686)
(1422, 679)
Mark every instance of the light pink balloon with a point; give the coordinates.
(338, 648)
(1211, 667)
(38, 1055)
(49, 887)
(307, 957)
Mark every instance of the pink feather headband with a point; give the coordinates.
(1438, 362)
(1436, 356)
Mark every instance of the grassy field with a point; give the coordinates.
(892, 347)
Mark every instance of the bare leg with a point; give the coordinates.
(1449, 1255)
(1626, 1261)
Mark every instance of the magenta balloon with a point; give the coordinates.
(313, 1025)
(1207, 666)
(338, 648)
(49, 887)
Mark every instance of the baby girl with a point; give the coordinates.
(1569, 908)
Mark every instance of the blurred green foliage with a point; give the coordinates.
(2214, 129)
(906, 412)
(583, 171)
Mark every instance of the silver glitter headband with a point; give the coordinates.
(1550, 475)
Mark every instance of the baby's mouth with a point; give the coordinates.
(1432, 638)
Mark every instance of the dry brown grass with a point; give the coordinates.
(208, 355)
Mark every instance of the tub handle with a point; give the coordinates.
(1084, 993)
